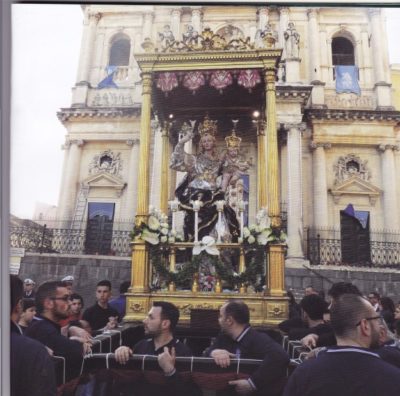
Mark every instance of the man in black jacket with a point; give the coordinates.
(352, 368)
(32, 371)
(52, 303)
(159, 326)
(238, 339)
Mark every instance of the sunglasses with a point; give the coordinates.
(371, 318)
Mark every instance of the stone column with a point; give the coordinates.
(374, 14)
(320, 185)
(314, 53)
(382, 87)
(147, 24)
(98, 63)
(390, 199)
(294, 188)
(324, 51)
(366, 56)
(283, 25)
(262, 17)
(71, 180)
(132, 188)
(176, 23)
(88, 36)
(196, 19)
(61, 197)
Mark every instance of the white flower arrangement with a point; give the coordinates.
(157, 229)
(261, 232)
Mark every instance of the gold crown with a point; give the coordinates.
(208, 127)
(233, 141)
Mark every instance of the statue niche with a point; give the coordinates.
(349, 166)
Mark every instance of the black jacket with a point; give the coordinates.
(270, 377)
(344, 371)
(49, 334)
(32, 370)
(174, 386)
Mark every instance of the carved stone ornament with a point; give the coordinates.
(349, 166)
(106, 161)
(206, 41)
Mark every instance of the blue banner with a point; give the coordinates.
(347, 79)
(108, 81)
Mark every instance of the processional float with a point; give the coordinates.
(184, 85)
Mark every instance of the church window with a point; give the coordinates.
(119, 52)
(342, 52)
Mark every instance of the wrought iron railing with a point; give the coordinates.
(57, 238)
(324, 247)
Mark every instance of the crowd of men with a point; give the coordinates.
(353, 342)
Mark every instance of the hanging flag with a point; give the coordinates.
(108, 81)
(347, 79)
(361, 215)
(350, 210)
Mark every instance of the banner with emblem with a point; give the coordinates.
(347, 79)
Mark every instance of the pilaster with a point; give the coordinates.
(390, 199)
(71, 180)
(314, 54)
(294, 188)
(320, 203)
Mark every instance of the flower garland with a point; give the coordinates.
(256, 237)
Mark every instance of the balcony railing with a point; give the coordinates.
(323, 247)
(58, 236)
(39, 238)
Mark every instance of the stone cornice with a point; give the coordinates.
(297, 93)
(352, 115)
(67, 114)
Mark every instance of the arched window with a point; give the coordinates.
(342, 52)
(119, 52)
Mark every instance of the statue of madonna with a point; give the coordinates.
(203, 182)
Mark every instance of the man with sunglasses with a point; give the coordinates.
(52, 304)
(351, 368)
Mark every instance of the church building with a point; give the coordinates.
(337, 129)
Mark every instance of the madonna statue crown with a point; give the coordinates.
(208, 127)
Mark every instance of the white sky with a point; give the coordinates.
(46, 43)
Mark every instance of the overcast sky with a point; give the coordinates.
(46, 44)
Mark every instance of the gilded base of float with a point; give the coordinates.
(265, 311)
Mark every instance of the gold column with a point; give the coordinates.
(272, 150)
(262, 166)
(165, 169)
(140, 265)
(276, 270)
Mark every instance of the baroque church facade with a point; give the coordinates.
(339, 143)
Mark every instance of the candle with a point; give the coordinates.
(241, 205)
(196, 207)
(174, 205)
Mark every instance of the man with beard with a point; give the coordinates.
(238, 340)
(31, 368)
(159, 326)
(351, 368)
(52, 304)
